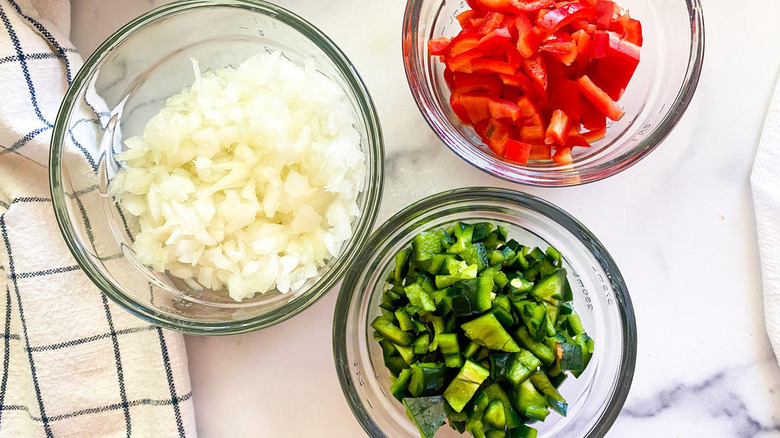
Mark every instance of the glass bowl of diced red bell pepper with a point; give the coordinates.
(549, 93)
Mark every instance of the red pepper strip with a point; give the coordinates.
(618, 65)
(562, 49)
(514, 6)
(475, 106)
(590, 2)
(449, 78)
(462, 62)
(591, 118)
(488, 83)
(583, 47)
(633, 31)
(494, 42)
(485, 65)
(503, 109)
(565, 95)
(576, 139)
(605, 11)
(527, 41)
(490, 22)
(599, 98)
(599, 44)
(496, 136)
(459, 109)
(521, 81)
(532, 125)
(465, 41)
(465, 17)
(511, 94)
(562, 156)
(595, 135)
(558, 129)
(513, 57)
(540, 152)
(557, 18)
(517, 151)
(438, 46)
(537, 71)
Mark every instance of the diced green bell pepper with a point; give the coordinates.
(391, 332)
(487, 331)
(465, 384)
(427, 413)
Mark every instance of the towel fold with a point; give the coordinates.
(73, 363)
(765, 184)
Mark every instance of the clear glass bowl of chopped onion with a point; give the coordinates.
(221, 180)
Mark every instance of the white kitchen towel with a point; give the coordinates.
(73, 363)
(765, 182)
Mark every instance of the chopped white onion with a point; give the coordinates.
(248, 179)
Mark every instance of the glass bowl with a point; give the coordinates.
(119, 88)
(600, 298)
(656, 98)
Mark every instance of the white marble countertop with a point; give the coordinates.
(679, 224)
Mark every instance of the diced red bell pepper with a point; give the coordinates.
(605, 11)
(449, 78)
(531, 123)
(488, 83)
(557, 18)
(503, 109)
(494, 42)
(633, 30)
(575, 139)
(513, 57)
(517, 151)
(459, 109)
(476, 106)
(562, 155)
(463, 42)
(599, 98)
(439, 46)
(465, 17)
(558, 129)
(537, 71)
(486, 65)
(540, 152)
(590, 2)
(522, 81)
(463, 61)
(599, 44)
(619, 62)
(565, 95)
(595, 135)
(583, 41)
(496, 136)
(490, 22)
(514, 6)
(527, 41)
(591, 118)
(511, 94)
(562, 48)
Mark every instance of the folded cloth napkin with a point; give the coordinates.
(765, 183)
(73, 363)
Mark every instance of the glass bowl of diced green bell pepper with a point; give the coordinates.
(598, 296)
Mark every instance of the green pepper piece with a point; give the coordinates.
(398, 388)
(541, 351)
(391, 332)
(515, 371)
(418, 297)
(522, 431)
(575, 325)
(487, 331)
(518, 285)
(465, 384)
(471, 349)
(494, 415)
(554, 399)
(475, 254)
(495, 392)
(407, 352)
(427, 413)
(401, 265)
(495, 433)
(481, 231)
(453, 360)
(426, 244)
(448, 343)
(530, 403)
(464, 234)
(473, 296)
(498, 361)
(550, 289)
(469, 273)
(570, 357)
(427, 379)
(536, 255)
(420, 345)
(395, 364)
(388, 348)
(404, 320)
(553, 255)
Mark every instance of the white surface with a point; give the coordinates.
(679, 224)
(765, 184)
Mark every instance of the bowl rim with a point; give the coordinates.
(552, 212)
(363, 226)
(558, 177)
